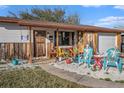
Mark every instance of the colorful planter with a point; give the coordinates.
(15, 61)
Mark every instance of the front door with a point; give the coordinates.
(39, 43)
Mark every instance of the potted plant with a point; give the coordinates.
(15, 61)
(68, 59)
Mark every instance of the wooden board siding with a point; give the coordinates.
(118, 40)
(80, 41)
(10, 50)
(48, 50)
(95, 42)
(87, 38)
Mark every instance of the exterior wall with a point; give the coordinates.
(11, 42)
(10, 36)
(13, 33)
(105, 41)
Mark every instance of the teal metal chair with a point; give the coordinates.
(87, 56)
(113, 59)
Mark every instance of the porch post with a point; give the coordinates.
(95, 42)
(84, 41)
(30, 45)
(57, 38)
(118, 40)
(75, 39)
(70, 38)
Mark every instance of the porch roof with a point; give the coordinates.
(9, 20)
(45, 24)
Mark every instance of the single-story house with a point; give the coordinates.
(33, 38)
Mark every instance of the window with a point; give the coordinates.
(122, 43)
(65, 38)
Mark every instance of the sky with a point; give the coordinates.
(110, 16)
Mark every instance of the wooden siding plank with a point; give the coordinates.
(10, 50)
(30, 45)
(118, 40)
(95, 42)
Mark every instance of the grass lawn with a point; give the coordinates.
(33, 78)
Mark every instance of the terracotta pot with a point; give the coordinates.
(68, 61)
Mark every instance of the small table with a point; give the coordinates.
(98, 61)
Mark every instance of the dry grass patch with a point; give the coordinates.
(33, 78)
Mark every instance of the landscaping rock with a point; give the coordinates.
(82, 69)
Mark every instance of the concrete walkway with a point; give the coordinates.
(81, 79)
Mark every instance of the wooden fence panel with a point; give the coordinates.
(10, 50)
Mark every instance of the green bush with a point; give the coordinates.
(120, 81)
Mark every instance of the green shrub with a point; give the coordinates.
(108, 79)
(119, 81)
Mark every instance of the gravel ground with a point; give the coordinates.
(112, 73)
(24, 64)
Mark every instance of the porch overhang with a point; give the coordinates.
(84, 28)
(45, 24)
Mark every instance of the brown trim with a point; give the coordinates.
(30, 45)
(84, 28)
(34, 43)
(9, 20)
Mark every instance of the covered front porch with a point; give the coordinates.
(65, 35)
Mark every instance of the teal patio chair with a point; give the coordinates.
(86, 57)
(112, 59)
